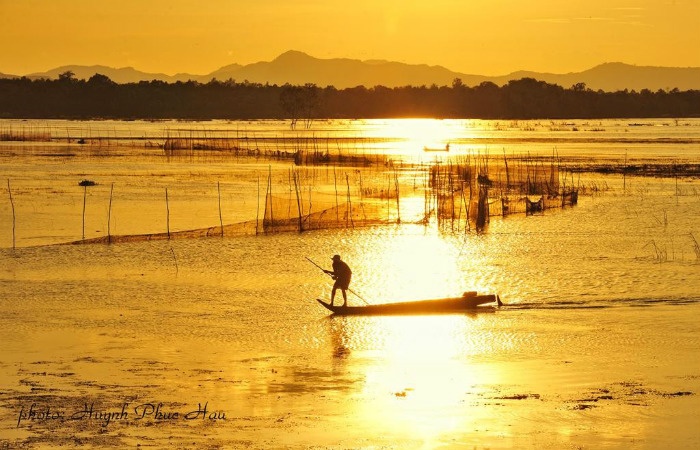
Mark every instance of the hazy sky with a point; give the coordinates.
(485, 37)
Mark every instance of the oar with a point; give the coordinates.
(324, 271)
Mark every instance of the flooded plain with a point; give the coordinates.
(218, 342)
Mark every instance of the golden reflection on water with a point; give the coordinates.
(404, 266)
(417, 371)
(415, 135)
(408, 339)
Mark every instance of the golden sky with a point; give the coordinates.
(485, 37)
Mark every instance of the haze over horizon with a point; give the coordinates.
(481, 37)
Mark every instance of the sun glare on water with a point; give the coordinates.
(415, 368)
(411, 266)
(416, 371)
(430, 137)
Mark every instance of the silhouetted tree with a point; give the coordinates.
(67, 97)
(68, 75)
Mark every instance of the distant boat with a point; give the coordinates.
(429, 149)
(469, 302)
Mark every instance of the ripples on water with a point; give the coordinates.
(254, 289)
(582, 286)
(629, 245)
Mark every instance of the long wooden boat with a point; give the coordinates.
(446, 148)
(467, 303)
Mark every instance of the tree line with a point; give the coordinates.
(526, 98)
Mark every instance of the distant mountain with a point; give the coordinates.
(121, 75)
(619, 76)
(298, 68)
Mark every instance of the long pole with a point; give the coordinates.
(349, 209)
(84, 200)
(12, 203)
(221, 220)
(257, 208)
(335, 183)
(269, 195)
(167, 213)
(109, 215)
(398, 205)
(324, 271)
(297, 190)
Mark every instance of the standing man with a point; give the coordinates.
(341, 273)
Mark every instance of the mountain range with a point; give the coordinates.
(298, 68)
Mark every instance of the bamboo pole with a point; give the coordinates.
(290, 181)
(257, 208)
(451, 190)
(505, 162)
(398, 205)
(349, 210)
(12, 204)
(388, 199)
(296, 190)
(466, 208)
(167, 213)
(335, 184)
(109, 215)
(221, 220)
(426, 197)
(310, 207)
(471, 191)
(177, 268)
(269, 195)
(84, 201)
(624, 175)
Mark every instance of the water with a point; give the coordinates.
(596, 347)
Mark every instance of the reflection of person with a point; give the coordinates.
(341, 273)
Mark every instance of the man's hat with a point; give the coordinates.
(335, 257)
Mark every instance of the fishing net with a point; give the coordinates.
(312, 198)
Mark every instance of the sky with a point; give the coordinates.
(482, 37)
